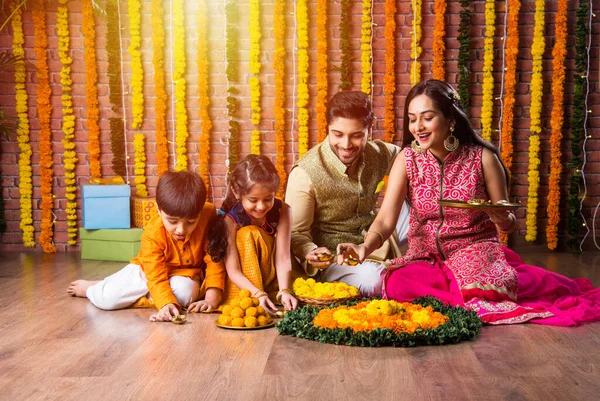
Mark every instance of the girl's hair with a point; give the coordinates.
(250, 171)
(354, 105)
(447, 100)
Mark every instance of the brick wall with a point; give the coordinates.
(11, 238)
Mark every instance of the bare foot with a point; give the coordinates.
(78, 288)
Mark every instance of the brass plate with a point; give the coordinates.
(481, 206)
(245, 328)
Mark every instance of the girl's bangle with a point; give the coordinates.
(281, 292)
(381, 240)
(512, 226)
(259, 293)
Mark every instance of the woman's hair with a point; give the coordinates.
(354, 105)
(447, 100)
(181, 194)
(250, 171)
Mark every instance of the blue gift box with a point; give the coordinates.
(106, 206)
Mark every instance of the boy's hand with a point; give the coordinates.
(165, 313)
(202, 306)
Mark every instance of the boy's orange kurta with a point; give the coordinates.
(162, 257)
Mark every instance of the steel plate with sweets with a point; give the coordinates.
(478, 204)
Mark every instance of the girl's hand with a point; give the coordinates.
(313, 258)
(347, 249)
(201, 306)
(288, 301)
(269, 306)
(165, 313)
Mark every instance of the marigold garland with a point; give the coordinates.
(578, 119)
(91, 91)
(25, 170)
(487, 101)
(181, 127)
(345, 47)
(376, 323)
(556, 123)
(203, 95)
(255, 66)
(140, 166)
(321, 106)
(303, 62)
(137, 68)
(365, 46)
(44, 109)
(439, 47)
(537, 86)
(68, 126)
(232, 44)
(309, 288)
(113, 51)
(389, 86)
(160, 102)
(464, 53)
(279, 106)
(415, 47)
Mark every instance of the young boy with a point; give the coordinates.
(174, 267)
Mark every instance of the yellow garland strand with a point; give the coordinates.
(160, 103)
(137, 68)
(44, 109)
(415, 48)
(181, 127)
(537, 86)
(203, 95)
(68, 126)
(439, 47)
(321, 106)
(25, 170)
(556, 122)
(303, 96)
(488, 69)
(365, 46)
(279, 68)
(255, 35)
(140, 166)
(389, 87)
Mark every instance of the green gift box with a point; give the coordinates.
(119, 245)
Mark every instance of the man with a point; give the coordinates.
(333, 191)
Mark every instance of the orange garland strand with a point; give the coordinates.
(44, 110)
(321, 107)
(160, 103)
(556, 123)
(439, 46)
(279, 68)
(203, 95)
(389, 87)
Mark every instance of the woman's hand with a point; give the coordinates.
(267, 305)
(504, 220)
(346, 250)
(313, 258)
(165, 313)
(288, 301)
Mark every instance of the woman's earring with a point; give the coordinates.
(451, 142)
(416, 147)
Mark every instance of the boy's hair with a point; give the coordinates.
(354, 105)
(250, 171)
(181, 194)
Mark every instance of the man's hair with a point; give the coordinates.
(354, 105)
(181, 194)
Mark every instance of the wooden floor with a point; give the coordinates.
(54, 347)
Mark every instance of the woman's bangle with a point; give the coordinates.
(259, 293)
(512, 226)
(380, 237)
(281, 292)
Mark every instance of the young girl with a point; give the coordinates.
(258, 230)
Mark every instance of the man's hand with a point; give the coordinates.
(165, 313)
(313, 258)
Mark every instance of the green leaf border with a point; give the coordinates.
(463, 325)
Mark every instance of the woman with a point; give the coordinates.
(455, 254)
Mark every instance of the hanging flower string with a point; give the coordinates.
(137, 69)
(439, 47)
(487, 101)
(44, 109)
(345, 47)
(279, 68)
(255, 35)
(140, 165)
(181, 127)
(113, 51)
(160, 102)
(464, 51)
(321, 106)
(232, 17)
(365, 46)
(389, 86)
(203, 95)
(537, 86)
(68, 125)
(25, 171)
(415, 52)
(91, 91)
(303, 61)
(556, 123)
